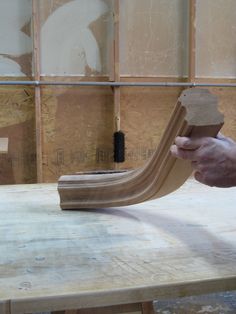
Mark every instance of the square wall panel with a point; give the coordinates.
(75, 37)
(154, 38)
(215, 39)
(15, 36)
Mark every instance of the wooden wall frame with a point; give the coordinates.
(37, 89)
(115, 67)
(114, 76)
(192, 41)
(195, 115)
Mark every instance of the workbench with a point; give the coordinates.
(118, 258)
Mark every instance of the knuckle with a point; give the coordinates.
(207, 141)
(202, 155)
(183, 154)
(186, 143)
(187, 155)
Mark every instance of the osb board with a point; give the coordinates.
(144, 115)
(17, 124)
(78, 124)
(227, 101)
(78, 130)
(146, 111)
(78, 127)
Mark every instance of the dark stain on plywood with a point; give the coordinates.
(24, 61)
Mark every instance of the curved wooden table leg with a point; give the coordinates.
(195, 115)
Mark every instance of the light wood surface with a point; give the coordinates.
(37, 76)
(116, 65)
(192, 41)
(52, 260)
(195, 115)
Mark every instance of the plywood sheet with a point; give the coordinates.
(227, 100)
(78, 130)
(78, 125)
(86, 30)
(154, 37)
(215, 38)
(15, 34)
(144, 115)
(17, 124)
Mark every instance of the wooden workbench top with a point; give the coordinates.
(184, 243)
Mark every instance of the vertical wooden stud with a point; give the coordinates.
(192, 40)
(36, 67)
(117, 39)
(117, 62)
(116, 65)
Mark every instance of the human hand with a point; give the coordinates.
(213, 159)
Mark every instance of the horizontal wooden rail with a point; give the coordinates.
(124, 84)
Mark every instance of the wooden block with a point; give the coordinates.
(3, 145)
(4, 307)
(135, 308)
(195, 115)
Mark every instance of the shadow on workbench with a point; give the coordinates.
(217, 303)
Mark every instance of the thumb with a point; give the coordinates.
(188, 143)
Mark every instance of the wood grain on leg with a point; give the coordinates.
(195, 115)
